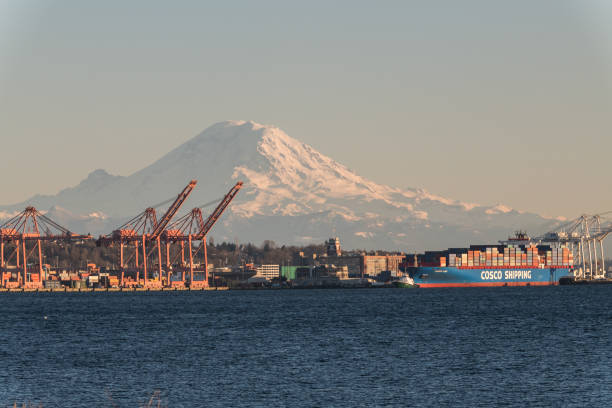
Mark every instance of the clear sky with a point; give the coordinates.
(483, 101)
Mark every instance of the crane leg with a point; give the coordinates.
(159, 261)
(183, 260)
(205, 262)
(40, 268)
(121, 261)
(168, 273)
(144, 260)
(190, 262)
(25, 262)
(1, 262)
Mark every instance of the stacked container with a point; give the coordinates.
(559, 256)
(513, 255)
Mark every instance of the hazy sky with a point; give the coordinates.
(483, 101)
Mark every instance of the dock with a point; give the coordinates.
(102, 290)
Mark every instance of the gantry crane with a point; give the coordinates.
(192, 227)
(29, 226)
(140, 231)
(584, 236)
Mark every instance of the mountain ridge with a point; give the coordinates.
(287, 182)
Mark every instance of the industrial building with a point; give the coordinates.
(373, 265)
(268, 271)
(354, 263)
(362, 265)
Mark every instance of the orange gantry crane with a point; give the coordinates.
(191, 228)
(142, 232)
(22, 236)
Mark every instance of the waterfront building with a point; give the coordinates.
(353, 263)
(293, 272)
(374, 264)
(268, 271)
(360, 265)
(338, 271)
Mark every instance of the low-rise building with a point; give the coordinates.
(293, 272)
(339, 271)
(375, 264)
(268, 271)
(361, 265)
(353, 263)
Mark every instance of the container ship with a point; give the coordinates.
(515, 262)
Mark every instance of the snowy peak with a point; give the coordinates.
(292, 193)
(277, 168)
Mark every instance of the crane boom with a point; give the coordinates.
(214, 216)
(180, 199)
(197, 213)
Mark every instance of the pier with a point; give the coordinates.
(106, 290)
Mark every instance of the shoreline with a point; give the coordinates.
(178, 289)
(226, 288)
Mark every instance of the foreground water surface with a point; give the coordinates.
(530, 346)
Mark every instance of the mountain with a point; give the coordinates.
(292, 194)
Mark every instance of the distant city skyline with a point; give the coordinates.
(479, 101)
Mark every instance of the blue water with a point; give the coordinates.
(530, 346)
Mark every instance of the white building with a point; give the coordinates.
(268, 271)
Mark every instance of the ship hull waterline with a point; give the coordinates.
(453, 277)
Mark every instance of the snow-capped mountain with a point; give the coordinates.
(292, 194)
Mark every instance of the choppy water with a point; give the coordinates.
(471, 347)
